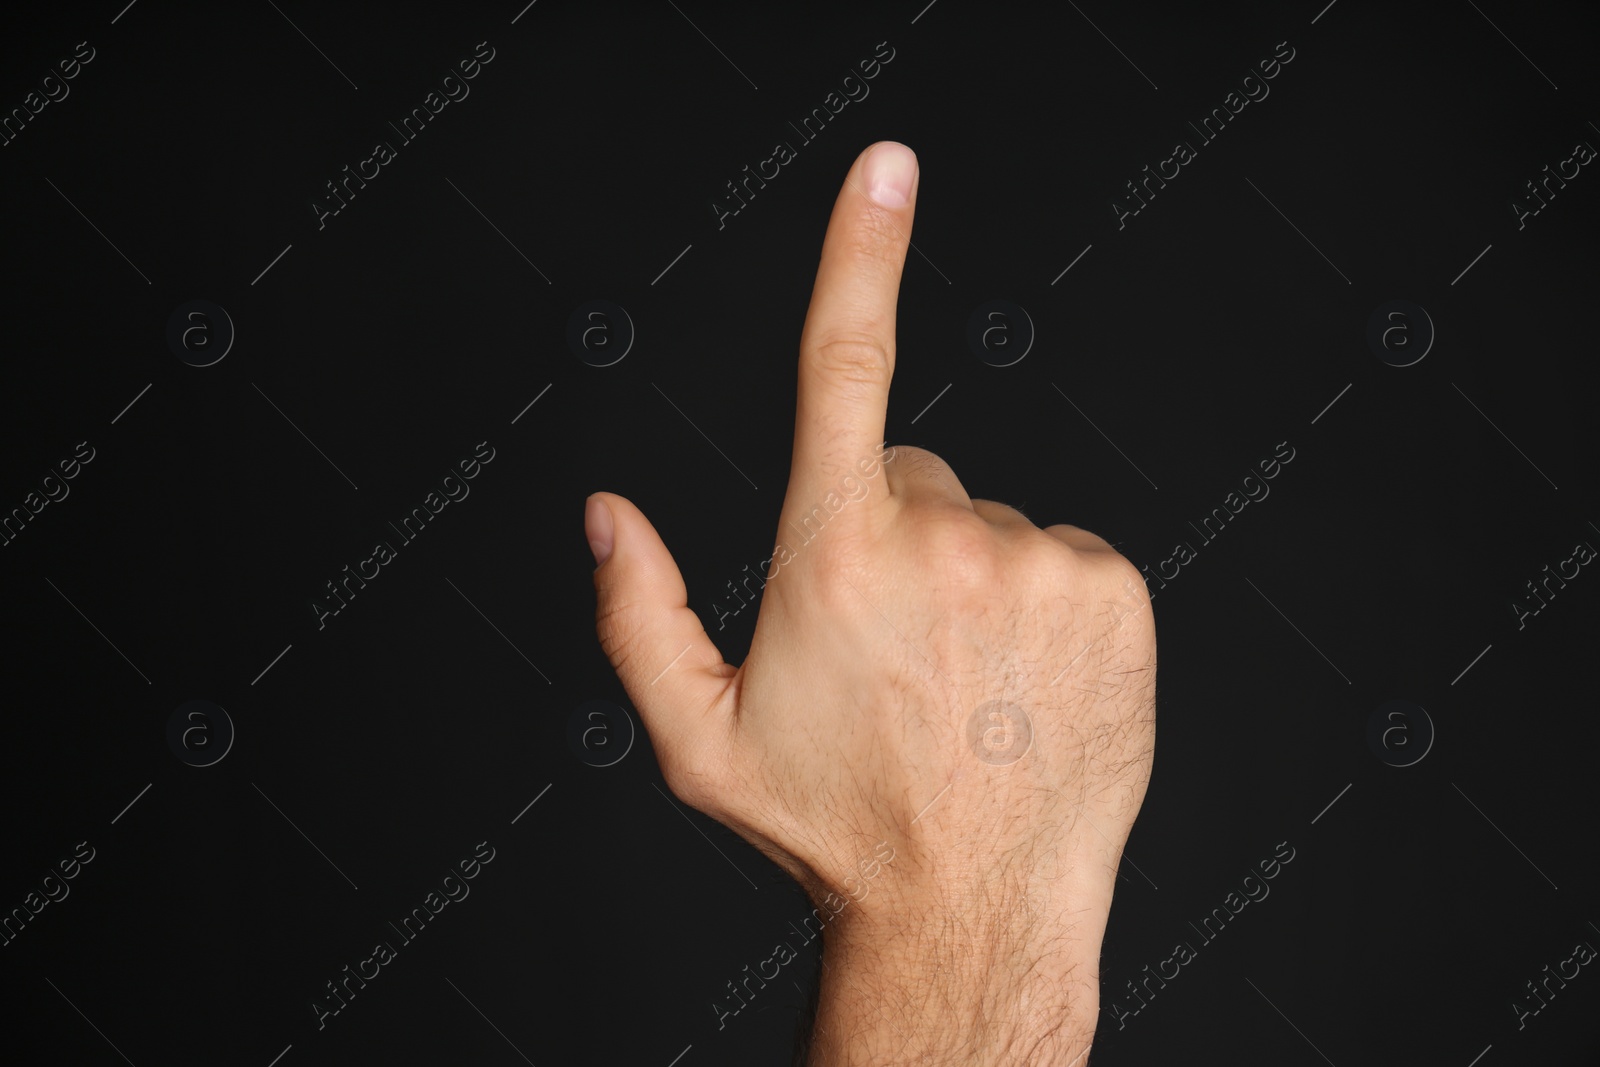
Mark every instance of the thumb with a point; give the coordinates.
(667, 662)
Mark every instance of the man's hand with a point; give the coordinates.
(928, 670)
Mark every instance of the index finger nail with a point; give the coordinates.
(890, 171)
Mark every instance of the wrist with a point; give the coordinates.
(974, 972)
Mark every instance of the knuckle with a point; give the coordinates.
(1055, 564)
(617, 628)
(959, 547)
(859, 360)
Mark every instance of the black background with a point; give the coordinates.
(425, 716)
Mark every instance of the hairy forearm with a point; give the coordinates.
(1012, 981)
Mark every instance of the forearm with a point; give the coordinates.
(1013, 981)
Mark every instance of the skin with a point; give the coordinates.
(862, 711)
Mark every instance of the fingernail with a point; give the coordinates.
(597, 525)
(890, 170)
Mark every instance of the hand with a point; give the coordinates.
(928, 670)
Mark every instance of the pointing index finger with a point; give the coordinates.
(847, 349)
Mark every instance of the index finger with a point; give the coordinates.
(847, 348)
